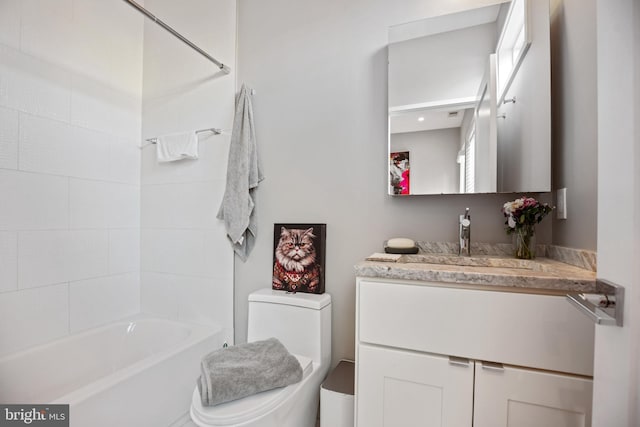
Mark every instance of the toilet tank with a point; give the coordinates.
(301, 321)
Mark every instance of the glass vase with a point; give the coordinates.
(524, 242)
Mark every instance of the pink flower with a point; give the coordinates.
(524, 212)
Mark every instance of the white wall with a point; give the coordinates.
(634, 393)
(320, 69)
(70, 92)
(433, 159)
(574, 119)
(187, 262)
(616, 359)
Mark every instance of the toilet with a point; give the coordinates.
(302, 322)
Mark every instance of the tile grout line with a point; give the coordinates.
(69, 231)
(18, 144)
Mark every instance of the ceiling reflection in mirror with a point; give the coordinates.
(450, 131)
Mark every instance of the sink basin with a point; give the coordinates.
(471, 261)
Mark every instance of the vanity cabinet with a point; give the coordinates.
(432, 355)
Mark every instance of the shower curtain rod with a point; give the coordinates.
(225, 69)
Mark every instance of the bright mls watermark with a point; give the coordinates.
(34, 415)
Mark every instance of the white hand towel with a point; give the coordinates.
(243, 175)
(177, 146)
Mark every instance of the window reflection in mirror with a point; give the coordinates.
(512, 46)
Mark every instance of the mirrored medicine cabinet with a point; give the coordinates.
(470, 101)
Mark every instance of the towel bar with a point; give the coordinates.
(215, 131)
(610, 308)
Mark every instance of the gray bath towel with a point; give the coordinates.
(244, 173)
(246, 369)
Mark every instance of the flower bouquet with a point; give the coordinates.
(522, 216)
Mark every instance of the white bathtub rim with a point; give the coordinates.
(198, 334)
(90, 331)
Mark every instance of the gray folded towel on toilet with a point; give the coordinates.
(240, 371)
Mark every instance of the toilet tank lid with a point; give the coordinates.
(299, 299)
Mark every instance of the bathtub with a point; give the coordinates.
(139, 372)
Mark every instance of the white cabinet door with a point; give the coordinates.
(512, 397)
(409, 389)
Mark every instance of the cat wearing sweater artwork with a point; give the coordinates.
(295, 267)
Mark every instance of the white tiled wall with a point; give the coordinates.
(108, 297)
(8, 261)
(186, 261)
(71, 201)
(70, 122)
(33, 316)
(9, 134)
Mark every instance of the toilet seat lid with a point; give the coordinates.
(250, 407)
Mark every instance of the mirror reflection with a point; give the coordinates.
(469, 102)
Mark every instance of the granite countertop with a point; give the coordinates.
(542, 273)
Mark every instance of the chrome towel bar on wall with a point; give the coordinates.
(605, 307)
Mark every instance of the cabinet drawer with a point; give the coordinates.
(539, 331)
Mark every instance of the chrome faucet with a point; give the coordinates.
(464, 225)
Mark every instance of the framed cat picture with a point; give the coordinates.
(299, 257)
